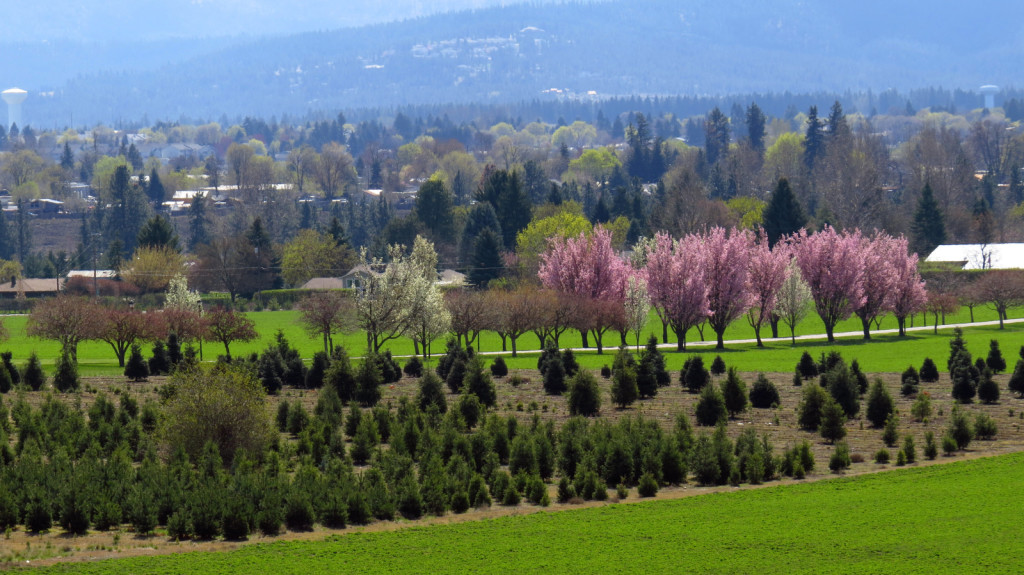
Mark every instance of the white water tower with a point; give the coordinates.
(14, 97)
(990, 92)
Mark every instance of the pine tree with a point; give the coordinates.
(1016, 383)
(624, 389)
(880, 404)
(734, 391)
(814, 139)
(136, 369)
(988, 389)
(710, 407)
(929, 372)
(486, 262)
(783, 214)
(995, 360)
(34, 376)
(65, 378)
(155, 188)
(928, 229)
(833, 422)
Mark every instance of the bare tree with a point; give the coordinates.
(68, 320)
(326, 313)
(1001, 289)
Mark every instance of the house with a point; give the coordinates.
(980, 256)
(29, 287)
(324, 284)
(355, 276)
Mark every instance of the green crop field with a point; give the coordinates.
(884, 353)
(953, 518)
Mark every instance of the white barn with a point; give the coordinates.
(980, 256)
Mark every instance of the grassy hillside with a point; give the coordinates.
(955, 518)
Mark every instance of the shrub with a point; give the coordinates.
(959, 428)
(12, 370)
(710, 407)
(479, 382)
(963, 384)
(841, 383)
(995, 360)
(368, 381)
(890, 434)
(65, 378)
(298, 418)
(984, 426)
(498, 367)
(901, 458)
(931, 450)
(1016, 383)
(158, 364)
(718, 366)
(922, 407)
(624, 389)
(569, 363)
(763, 394)
(909, 449)
(833, 422)
(606, 372)
(454, 375)
(949, 445)
(413, 367)
(5, 380)
(880, 404)
(806, 367)
(566, 491)
(811, 405)
(554, 377)
(298, 514)
(882, 456)
(431, 392)
(470, 409)
(693, 375)
(584, 394)
(988, 389)
(282, 416)
(179, 526)
(317, 371)
(136, 369)
(648, 486)
(74, 517)
(909, 381)
(734, 392)
(840, 458)
(340, 375)
(929, 372)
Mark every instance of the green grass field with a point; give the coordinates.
(954, 518)
(885, 353)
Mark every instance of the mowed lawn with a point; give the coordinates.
(884, 353)
(961, 517)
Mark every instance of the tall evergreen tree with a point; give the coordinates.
(716, 136)
(783, 214)
(24, 236)
(928, 229)
(479, 218)
(487, 264)
(814, 139)
(755, 127)
(67, 159)
(505, 192)
(198, 222)
(7, 244)
(155, 188)
(158, 232)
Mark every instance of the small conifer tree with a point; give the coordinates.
(136, 368)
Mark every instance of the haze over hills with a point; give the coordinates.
(522, 52)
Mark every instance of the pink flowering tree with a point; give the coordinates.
(767, 271)
(588, 268)
(832, 264)
(727, 258)
(908, 294)
(676, 283)
(878, 279)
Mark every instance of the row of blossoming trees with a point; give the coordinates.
(721, 275)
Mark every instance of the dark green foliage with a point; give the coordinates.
(693, 374)
(355, 416)
(479, 382)
(298, 418)
(704, 462)
(12, 370)
(718, 366)
(5, 380)
(413, 367)
(929, 372)
(65, 378)
(843, 387)
(710, 407)
(909, 449)
(390, 371)
(890, 433)
(498, 367)
(179, 526)
(763, 394)
(783, 214)
(964, 386)
(910, 381)
(453, 353)
(624, 389)
(1016, 383)
(840, 458)
(159, 363)
(648, 486)
(806, 367)
(988, 389)
(833, 422)
(317, 371)
(141, 510)
(882, 456)
(995, 360)
(829, 361)
(368, 382)
(584, 394)
(811, 405)
(470, 409)
(569, 362)
(282, 415)
(136, 369)
(880, 404)
(9, 512)
(298, 514)
(239, 517)
(734, 391)
(984, 426)
(931, 450)
(74, 517)
(859, 377)
(651, 373)
(431, 392)
(365, 440)
(340, 375)
(173, 353)
(37, 515)
(456, 375)
(606, 372)
(270, 370)
(554, 376)
(928, 230)
(566, 491)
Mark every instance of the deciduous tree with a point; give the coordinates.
(325, 313)
(227, 326)
(832, 264)
(676, 281)
(68, 320)
(767, 273)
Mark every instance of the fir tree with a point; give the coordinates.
(136, 369)
(783, 214)
(995, 360)
(928, 229)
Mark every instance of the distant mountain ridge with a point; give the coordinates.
(523, 52)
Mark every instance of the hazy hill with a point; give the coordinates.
(524, 51)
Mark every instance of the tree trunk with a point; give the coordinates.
(757, 335)
(597, 338)
(514, 346)
(721, 339)
(664, 332)
(866, 323)
(775, 325)
(828, 331)
(583, 334)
